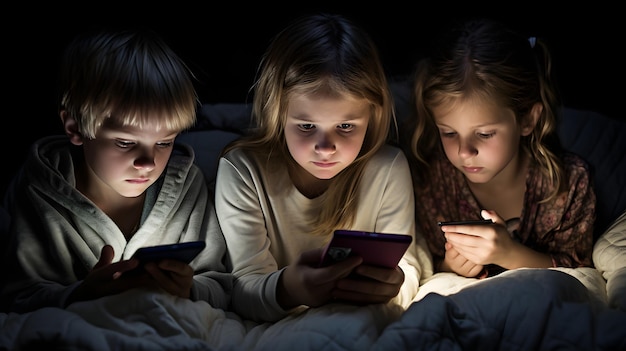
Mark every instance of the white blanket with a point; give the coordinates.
(153, 320)
(525, 309)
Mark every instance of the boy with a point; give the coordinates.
(85, 202)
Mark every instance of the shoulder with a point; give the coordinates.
(183, 149)
(389, 154)
(575, 165)
(51, 147)
(571, 159)
(247, 164)
(389, 164)
(236, 154)
(237, 158)
(182, 157)
(182, 167)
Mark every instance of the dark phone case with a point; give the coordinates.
(468, 222)
(185, 251)
(378, 249)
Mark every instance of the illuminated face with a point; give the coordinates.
(481, 140)
(125, 161)
(325, 134)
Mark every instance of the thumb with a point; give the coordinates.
(493, 215)
(106, 256)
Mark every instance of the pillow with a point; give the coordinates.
(609, 257)
(601, 141)
(229, 117)
(207, 145)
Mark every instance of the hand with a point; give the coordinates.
(105, 278)
(482, 244)
(457, 263)
(370, 284)
(303, 283)
(173, 276)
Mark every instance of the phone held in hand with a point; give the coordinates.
(377, 249)
(185, 252)
(468, 222)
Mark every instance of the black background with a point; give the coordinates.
(223, 43)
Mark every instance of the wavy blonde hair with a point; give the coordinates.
(328, 54)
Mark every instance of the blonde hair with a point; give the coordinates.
(326, 54)
(132, 76)
(487, 61)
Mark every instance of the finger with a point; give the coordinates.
(464, 240)
(173, 276)
(116, 269)
(382, 274)
(493, 215)
(467, 245)
(338, 270)
(106, 256)
(451, 252)
(155, 271)
(176, 267)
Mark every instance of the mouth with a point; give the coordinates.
(138, 180)
(325, 164)
(472, 169)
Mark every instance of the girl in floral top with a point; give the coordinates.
(484, 145)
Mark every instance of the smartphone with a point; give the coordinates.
(472, 222)
(378, 249)
(185, 251)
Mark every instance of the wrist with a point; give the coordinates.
(283, 295)
(74, 296)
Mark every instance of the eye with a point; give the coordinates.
(306, 126)
(165, 144)
(124, 144)
(346, 127)
(447, 134)
(486, 135)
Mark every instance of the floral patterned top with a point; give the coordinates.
(562, 227)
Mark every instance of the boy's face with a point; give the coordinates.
(126, 160)
(325, 134)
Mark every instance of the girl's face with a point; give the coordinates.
(480, 139)
(126, 160)
(325, 134)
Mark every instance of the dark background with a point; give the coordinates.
(223, 45)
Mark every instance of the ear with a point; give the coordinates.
(71, 128)
(530, 120)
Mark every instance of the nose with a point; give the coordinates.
(467, 148)
(145, 159)
(325, 145)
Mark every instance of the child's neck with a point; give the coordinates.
(308, 185)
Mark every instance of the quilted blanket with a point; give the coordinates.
(153, 320)
(518, 310)
(524, 309)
